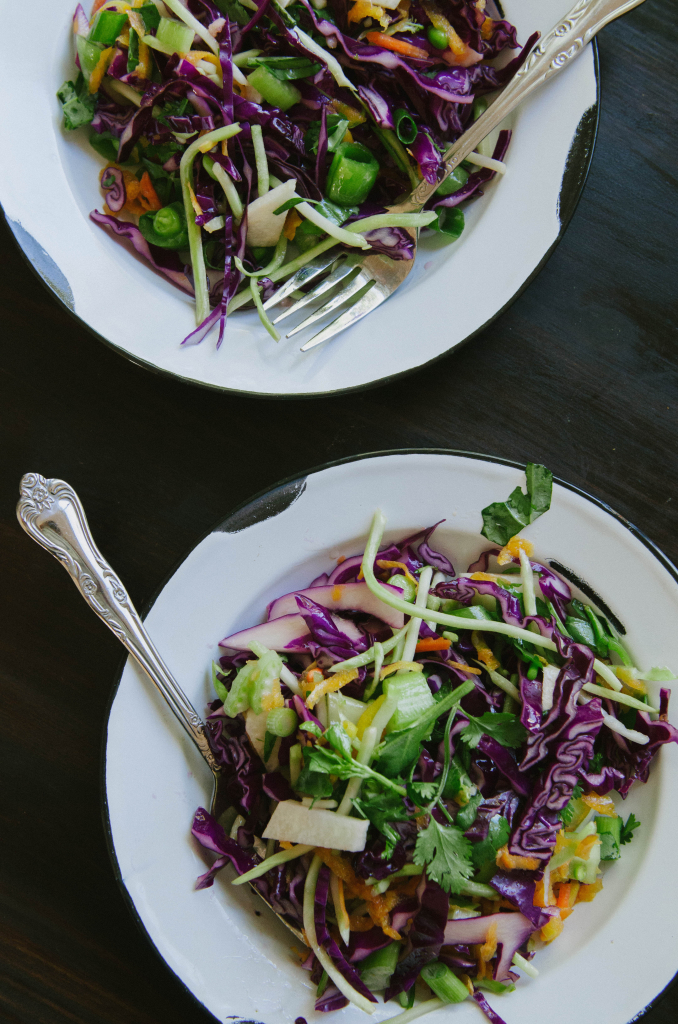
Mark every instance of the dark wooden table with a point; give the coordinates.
(580, 374)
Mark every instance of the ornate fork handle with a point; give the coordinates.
(51, 513)
(553, 52)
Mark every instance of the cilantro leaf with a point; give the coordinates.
(338, 739)
(485, 851)
(503, 727)
(421, 793)
(381, 810)
(567, 813)
(446, 853)
(628, 828)
(311, 728)
(320, 759)
(503, 519)
(596, 763)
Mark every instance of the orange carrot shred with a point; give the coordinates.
(397, 45)
(433, 643)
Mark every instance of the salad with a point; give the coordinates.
(421, 763)
(244, 139)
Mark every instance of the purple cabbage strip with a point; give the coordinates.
(325, 633)
(531, 694)
(164, 260)
(518, 888)
(361, 944)
(113, 184)
(487, 1009)
(211, 836)
(479, 177)
(633, 760)
(331, 999)
(425, 938)
(232, 750)
(378, 106)
(464, 590)
(427, 155)
(506, 763)
(322, 150)
(327, 942)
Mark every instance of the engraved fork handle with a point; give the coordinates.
(553, 52)
(51, 513)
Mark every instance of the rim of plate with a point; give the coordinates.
(255, 505)
(575, 175)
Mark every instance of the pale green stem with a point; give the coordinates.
(272, 862)
(185, 15)
(260, 159)
(364, 755)
(393, 220)
(290, 268)
(417, 1011)
(621, 698)
(240, 60)
(230, 191)
(263, 316)
(201, 144)
(367, 656)
(527, 579)
(414, 625)
(504, 684)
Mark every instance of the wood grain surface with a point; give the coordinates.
(579, 374)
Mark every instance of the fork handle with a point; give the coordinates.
(51, 513)
(553, 52)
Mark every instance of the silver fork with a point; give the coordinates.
(52, 514)
(369, 280)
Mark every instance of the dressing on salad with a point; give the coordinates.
(244, 139)
(421, 763)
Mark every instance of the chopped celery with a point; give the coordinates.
(279, 94)
(296, 762)
(377, 968)
(444, 982)
(150, 15)
(174, 35)
(265, 674)
(609, 830)
(239, 694)
(107, 27)
(338, 705)
(408, 588)
(78, 104)
(281, 722)
(413, 697)
(88, 54)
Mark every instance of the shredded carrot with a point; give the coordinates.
(360, 924)
(399, 666)
(384, 563)
(588, 892)
(551, 930)
(331, 684)
(337, 591)
(397, 45)
(342, 558)
(600, 804)
(475, 951)
(489, 947)
(147, 195)
(487, 576)
(433, 643)
(285, 845)
(627, 677)
(464, 668)
(513, 548)
(354, 117)
(97, 76)
(364, 9)
(567, 895)
(292, 222)
(487, 28)
(379, 906)
(510, 862)
(194, 202)
(585, 847)
(483, 651)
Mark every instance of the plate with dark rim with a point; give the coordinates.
(232, 954)
(453, 292)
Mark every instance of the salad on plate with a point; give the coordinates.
(242, 140)
(426, 767)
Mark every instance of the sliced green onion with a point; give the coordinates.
(524, 965)
(340, 234)
(203, 143)
(281, 721)
(260, 159)
(272, 862)
(621, 698)
(185, 15)
(444, 982)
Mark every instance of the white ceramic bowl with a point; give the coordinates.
(451, 294)
(615, 954)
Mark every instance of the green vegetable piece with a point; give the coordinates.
(235, 11)
(269, 743)
(444, 982)
(414, 697)
(400, 749)
(313, 783)
(450, 222)
(174, 35)
(238, 699)
(286, 68)
(406, 999)
(166, 228)
(88, 54)
(475, 611)
(339, 740)
(580, 631)
(503, 727)
(609, 830)
(78, 104)
(485, 851)
(352, 174)
(322, 985)
(480, 105)
(107, 27)
(406, 129)
(628, 829)
(219, 688)
(265, 675)
(504, 519)
(150, 15)
(296, 763)
(490, 985)
(437, 38)
(377, 968)
(573, 809)
(132, 51)
(106, 145)
(468, 814)
(408, 588)
(446, 853)
(453, 182)
(382, 808)
(279, 94)
(281, 721)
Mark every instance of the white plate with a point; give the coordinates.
(615, 954)
(47, 194)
